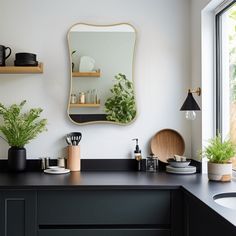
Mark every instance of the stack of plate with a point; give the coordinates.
(56, 170)
(180, 167)
(181, 170)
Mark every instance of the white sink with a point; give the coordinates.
(226, 200)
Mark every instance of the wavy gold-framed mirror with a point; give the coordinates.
(102, 80)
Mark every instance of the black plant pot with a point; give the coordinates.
(17, 159)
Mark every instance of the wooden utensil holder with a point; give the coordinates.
(73, 159)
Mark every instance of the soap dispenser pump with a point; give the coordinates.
(137, 154)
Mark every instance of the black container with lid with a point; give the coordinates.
(25, 59)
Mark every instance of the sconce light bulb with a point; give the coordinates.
(190, 115)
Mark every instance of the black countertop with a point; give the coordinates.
(197, 184)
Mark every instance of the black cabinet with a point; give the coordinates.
(105, 232)
(99, 212)
(202, 220)
(104, 212)
(18, 213)
(107, 207)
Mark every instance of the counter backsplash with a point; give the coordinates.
(97, 165)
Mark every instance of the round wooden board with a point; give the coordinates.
(166, 143)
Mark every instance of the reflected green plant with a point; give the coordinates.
(120, 107)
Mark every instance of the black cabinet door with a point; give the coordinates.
(202, 220)
(104, 207)
(17, 213)
(105, 232)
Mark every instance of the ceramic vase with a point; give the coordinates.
(17, 159)
(220, 172)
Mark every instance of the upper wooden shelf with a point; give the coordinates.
(22, 69)
(86, 74)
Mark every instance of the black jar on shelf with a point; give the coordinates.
(25, 59)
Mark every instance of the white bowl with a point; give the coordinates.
(178, 164)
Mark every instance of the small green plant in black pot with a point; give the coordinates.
(18, 129)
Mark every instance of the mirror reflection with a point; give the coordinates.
(102, 87)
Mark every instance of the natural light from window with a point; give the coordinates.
(228, 73)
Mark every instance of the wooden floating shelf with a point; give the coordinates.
(86, 74)
(77, 105)
(22, 69)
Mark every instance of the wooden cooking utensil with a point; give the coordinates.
(166, 143)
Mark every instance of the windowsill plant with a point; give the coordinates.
(219, 153)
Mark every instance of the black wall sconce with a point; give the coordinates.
(190, 105)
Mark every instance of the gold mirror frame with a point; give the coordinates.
(71, 76)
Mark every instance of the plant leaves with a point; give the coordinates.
(19, 128)
(120, 107)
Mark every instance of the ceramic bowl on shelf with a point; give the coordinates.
(178, 164)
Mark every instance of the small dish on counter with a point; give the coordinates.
(56, 170)
(181, 171)
(178, 164)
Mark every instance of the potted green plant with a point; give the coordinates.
(18, 129)
(219, 153)
(120, 107)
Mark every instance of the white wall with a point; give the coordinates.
(196, 9)
(203, 69)
(162, 69)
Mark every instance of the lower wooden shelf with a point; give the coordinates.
(22, 69)
(86, 74)
(77, 105)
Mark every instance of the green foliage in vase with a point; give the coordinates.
(120, 107)
(219, 151)
(19, 128)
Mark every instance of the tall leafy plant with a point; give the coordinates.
(120, 107)
(18, 127)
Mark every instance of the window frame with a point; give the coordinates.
(218, 62)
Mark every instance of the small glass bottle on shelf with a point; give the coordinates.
(96, 97)
(82, 98)
(73, 98)
(93, 96)
(87, 97)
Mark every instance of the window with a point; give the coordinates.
(226, 70)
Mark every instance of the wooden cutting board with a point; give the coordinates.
(166, 143)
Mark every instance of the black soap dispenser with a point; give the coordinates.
(137, 154)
